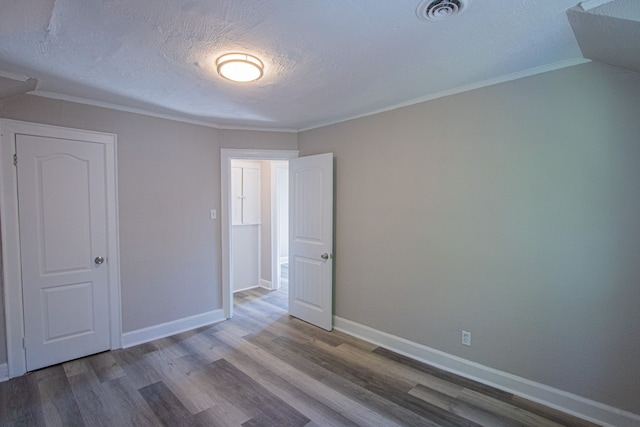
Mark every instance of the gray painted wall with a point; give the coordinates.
(168, 180)
(511, 211)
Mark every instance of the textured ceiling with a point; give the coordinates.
(325, 60)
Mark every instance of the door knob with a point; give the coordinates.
(326, 256)
(99, 260)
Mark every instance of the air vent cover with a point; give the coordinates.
(439, 10)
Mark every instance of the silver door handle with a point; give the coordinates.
(326, 256)
(99, 260)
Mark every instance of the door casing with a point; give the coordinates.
(276, 224)
(225, 211)
(9, 227)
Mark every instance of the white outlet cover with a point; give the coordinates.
(466, 338)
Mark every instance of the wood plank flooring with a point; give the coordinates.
(262, 368)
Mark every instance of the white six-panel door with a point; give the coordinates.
(63, 248)
(311, 239)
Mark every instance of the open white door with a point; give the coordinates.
(311, 239)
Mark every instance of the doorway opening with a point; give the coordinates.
(241, 224)
(259, 223)
(280, 219)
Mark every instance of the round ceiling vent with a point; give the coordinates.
(439, 10)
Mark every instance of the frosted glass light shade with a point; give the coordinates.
(240, 67)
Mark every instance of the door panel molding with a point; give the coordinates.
(9, 227)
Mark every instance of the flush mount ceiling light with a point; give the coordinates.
(240, 67)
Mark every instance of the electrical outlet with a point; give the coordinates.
(213, 214)
(466, 338)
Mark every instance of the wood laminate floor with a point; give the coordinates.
(262, 368)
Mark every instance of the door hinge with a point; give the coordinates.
(24, 343)
(15, 160)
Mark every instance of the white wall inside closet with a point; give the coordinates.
(260, 225)
(245, 199)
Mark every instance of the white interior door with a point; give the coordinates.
(63, 245)
(311, 239)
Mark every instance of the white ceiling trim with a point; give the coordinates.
(442, 94)
(461, 89)
(177, 118)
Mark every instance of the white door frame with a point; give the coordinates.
(276, 244)
(225, 212)
(9, 227)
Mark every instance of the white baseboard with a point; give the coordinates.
(561, 400)
(140, 336)
(265, 284)
(4, 372)
(246, 289)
